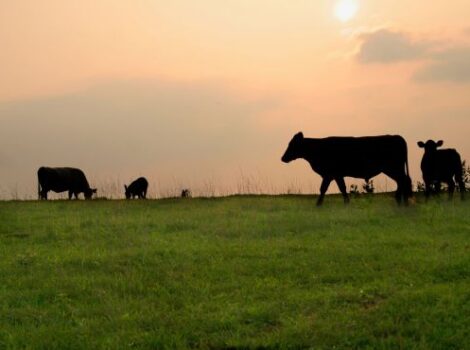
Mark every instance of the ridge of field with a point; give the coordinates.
(235, 272)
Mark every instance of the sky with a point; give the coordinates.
(207, 94)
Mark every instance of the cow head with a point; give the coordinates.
(293, 151)
(430, 145)
(127, 192)
(89, 193)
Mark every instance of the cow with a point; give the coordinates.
(334, 158)
(72, 180)
(443, 165)
(138, 188)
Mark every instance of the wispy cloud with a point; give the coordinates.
(441, 63)
(387, 46)
(452, 65)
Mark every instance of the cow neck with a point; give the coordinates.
(429, 155)
(308, 145)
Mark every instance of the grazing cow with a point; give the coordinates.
(334, 158)
(138, 188)
(439, 166)
(63, 179)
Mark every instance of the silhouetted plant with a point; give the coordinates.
(435, 187)
(208, 188)
(420, 187)
(186, 193)
(368, 187)
(14, 193)
(354, 190)
(466, 175)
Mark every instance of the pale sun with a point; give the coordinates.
(346, 10)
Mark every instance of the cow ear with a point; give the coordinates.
(421, 144)
(439, 143)
(300, 135)
(125, 187)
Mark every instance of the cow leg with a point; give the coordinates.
(404, 189)
(76, 195)
(428, 189)
(400, 179)
(70, 195)
(462, 189)
(437, 187)
(407, 190)
(450, 187)
(43, 194)
(342, 188)
(144, 194)
(323, 188)
(399, 192)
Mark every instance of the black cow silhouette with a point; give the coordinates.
(439, 166)
(334, 158)
(72, 180)
(138, 188)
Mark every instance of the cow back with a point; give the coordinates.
(362, 157)
(138, 185)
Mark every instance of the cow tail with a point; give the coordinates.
(409, 183)
(407, 168)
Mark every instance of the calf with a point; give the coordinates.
(137, 188)
(437, 166)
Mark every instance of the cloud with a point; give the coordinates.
(448, 66)
(386, 46)
(441, 62)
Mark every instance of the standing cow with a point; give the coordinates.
(334, 158)
(137, 188)
(439, 166)
(63, 179)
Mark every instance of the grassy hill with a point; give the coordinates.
(273, 272)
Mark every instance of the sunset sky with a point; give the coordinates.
(209, 93)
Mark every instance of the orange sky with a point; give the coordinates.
(113, 86)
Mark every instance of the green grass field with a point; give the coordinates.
(237, 272)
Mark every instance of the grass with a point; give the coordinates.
(236, 272)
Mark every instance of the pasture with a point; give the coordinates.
(235, 272)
